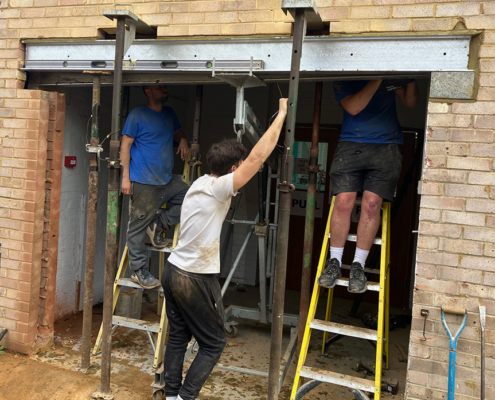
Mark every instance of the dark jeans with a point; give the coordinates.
(194, 308)
(145, 207)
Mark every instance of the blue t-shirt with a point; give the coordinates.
(152, 152)
(377, 123)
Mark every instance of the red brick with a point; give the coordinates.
(432, 188)
(23, 194)
(24, 153)
(463, 218)
(442, 203)
(22, 215)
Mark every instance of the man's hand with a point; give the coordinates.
(183, 149)
(282, 106)
(126, 186)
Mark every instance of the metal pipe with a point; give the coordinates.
(193, 164)
(274, 240)
(112, 211)
(285, 189)
(91, 227)
(261, 209)
(237, 260)
(310, 217)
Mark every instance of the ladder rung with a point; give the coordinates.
(338, 379)
(128, 283)
(353, 238)
(346, 330)
(136, 324)
(367, 270)
(374, 286)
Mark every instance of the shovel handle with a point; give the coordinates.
(454, 310)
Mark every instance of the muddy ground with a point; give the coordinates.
(54, 374)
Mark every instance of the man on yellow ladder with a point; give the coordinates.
(368, 160)
(147, 160)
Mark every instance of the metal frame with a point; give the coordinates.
(357, 54)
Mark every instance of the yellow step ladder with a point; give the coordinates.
(380, 335)
(159, 329)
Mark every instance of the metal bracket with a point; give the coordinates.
(313, 19)
(135, 24)
(312, 168)
(261, 228)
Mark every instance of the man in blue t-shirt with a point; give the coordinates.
(368, 160)
(147, 158)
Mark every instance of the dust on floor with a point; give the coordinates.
(55, 374)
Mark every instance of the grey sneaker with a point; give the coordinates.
(156, 235)
(357, 279)
(330, 274)
(144, 279)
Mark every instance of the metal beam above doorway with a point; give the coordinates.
(322, 54)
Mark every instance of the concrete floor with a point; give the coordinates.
(132, 354)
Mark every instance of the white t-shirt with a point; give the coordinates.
(203, 211)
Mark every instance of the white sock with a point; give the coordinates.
(336, 252)
(171, 398)
(360, 256)
(179, 398)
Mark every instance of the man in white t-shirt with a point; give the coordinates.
(192, 292)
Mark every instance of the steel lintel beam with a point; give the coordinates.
(351, 54)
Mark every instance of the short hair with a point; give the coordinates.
(144, 89)
(223, 155)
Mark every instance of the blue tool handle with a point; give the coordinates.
(452, 373)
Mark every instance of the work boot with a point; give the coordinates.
(144, 279)
(330, 274)
(157, 236)
(357, 280)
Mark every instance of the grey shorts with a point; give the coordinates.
(375, 167)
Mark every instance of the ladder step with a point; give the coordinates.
(136, 324)
(353, 238)
(367, 270)
(373, 286)
(338, 379)
(128, 283)
(345, 330)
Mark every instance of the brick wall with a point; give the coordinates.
(22, 193)
(456, 244)
(55, 146)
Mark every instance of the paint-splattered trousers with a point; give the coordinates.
(194, 308)
(145, 208)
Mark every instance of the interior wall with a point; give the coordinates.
(73, 203)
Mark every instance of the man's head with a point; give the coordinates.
(156, 93)
(224, 157)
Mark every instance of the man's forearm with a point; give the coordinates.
(179, 135)
(268, 141)
(125, 158)
(356, 103)
(411, 97)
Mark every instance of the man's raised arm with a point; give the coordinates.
(262, 150)
(355, 103)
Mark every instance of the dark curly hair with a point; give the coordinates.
(223, 155)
